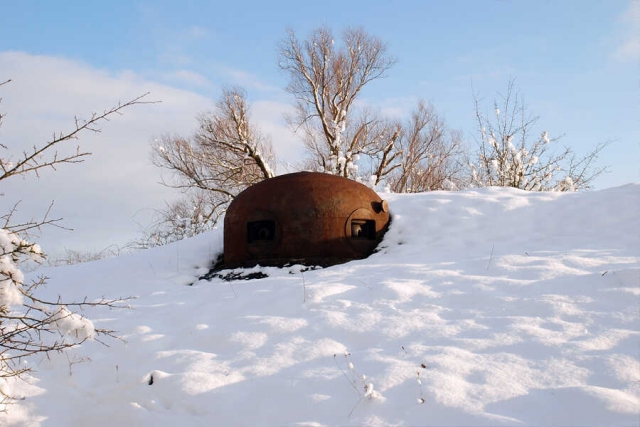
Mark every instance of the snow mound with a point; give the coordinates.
(485, 307)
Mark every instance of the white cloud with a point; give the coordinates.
(245, 79)
(269, 116)
(102, 197)
(629, 45)
(197, 32)
(188, 77)
(98, 197)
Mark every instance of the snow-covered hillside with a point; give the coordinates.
(486, 307)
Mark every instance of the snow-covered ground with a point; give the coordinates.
(485, 307)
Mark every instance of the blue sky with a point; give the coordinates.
(576, 63)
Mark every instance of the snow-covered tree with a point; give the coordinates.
(430, 154)
(326, 79)
(29, 324)
(225, 155)
(512, 154)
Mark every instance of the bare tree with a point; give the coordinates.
(30, 325)
(510, 156)
(326, 80)
(225, 155)
(429, 154)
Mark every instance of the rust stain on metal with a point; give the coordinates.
(307, 217)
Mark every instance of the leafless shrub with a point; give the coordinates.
(29, 324)
(74, 256)
(511, 155)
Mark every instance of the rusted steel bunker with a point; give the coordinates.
(307, 218)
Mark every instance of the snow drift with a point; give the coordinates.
(486, 307)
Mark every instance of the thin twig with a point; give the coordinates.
(490, 257)
(304, 288)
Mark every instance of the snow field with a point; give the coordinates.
(485, 307)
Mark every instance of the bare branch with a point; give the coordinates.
(33, 161)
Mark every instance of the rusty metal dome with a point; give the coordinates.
(307, 218)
